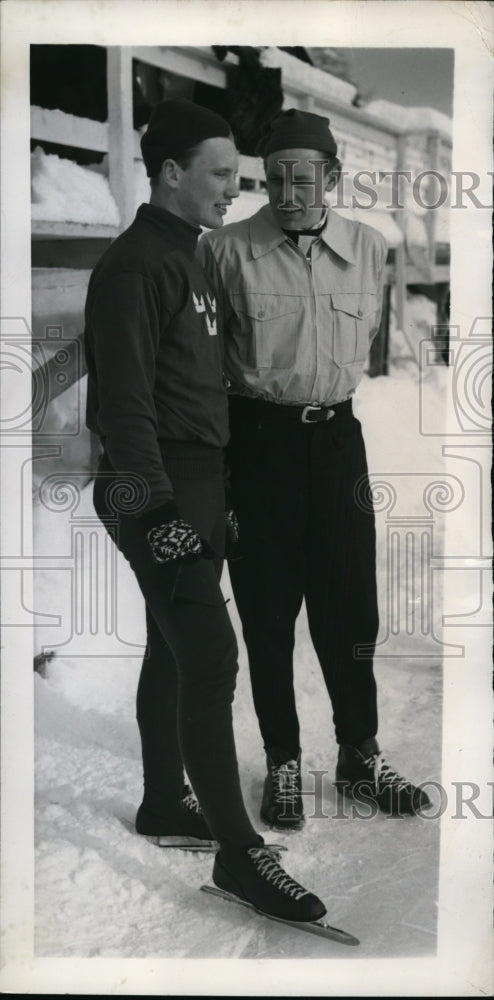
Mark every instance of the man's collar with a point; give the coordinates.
(169, 225)
(266, 235)
(338, 235)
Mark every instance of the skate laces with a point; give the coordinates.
(285, 781)
(384, 774)
(267, 866)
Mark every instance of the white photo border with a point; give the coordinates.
(462, 965)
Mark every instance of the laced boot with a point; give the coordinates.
(253, 874)
(181, 817)
(363, 773)
(282, 796)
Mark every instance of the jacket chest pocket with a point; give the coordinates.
(266, 326)
(355, 317)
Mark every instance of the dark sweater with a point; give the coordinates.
(154, 359)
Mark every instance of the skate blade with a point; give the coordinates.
(196, 844)
(317, 927)
(285, 830)
(291, 826)
(184, 843)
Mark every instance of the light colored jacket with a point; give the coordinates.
(296, 331)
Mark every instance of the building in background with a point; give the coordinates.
(89, 105)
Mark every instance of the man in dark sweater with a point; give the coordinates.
(157, 400)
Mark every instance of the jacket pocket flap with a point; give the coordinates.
(262, 307)
(357, 304)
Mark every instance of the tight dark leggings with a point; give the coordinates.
(187, 683)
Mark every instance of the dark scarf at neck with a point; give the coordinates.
(293, 234)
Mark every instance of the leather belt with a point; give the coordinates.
(311, 413)
(316, 414)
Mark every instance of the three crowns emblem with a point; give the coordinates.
(206, 304)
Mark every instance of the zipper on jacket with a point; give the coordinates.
(308, 260)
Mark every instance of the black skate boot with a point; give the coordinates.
(282, 797)
(364, 774)
(178, 823)
(253, 875)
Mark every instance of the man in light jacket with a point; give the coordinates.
(301, 293)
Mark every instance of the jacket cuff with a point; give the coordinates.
(167, 511)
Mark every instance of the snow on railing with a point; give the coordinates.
(308, 80)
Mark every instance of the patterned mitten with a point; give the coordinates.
(175, 538)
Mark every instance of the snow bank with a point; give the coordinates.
(406, 119)
(309, 78)
(319, 83)
(63, 191)
(382, 221)
(142, 186)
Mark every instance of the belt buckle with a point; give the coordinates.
(317, 409)
(306, 410)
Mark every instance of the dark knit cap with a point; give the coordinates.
(294, 129)
(175, 126)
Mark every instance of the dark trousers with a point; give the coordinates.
(304, 536)
(186, 687)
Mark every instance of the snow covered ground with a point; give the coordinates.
(101, 890)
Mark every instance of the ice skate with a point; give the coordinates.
(252, 877)
(364, 774)
(282, 799)
(181, 825)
